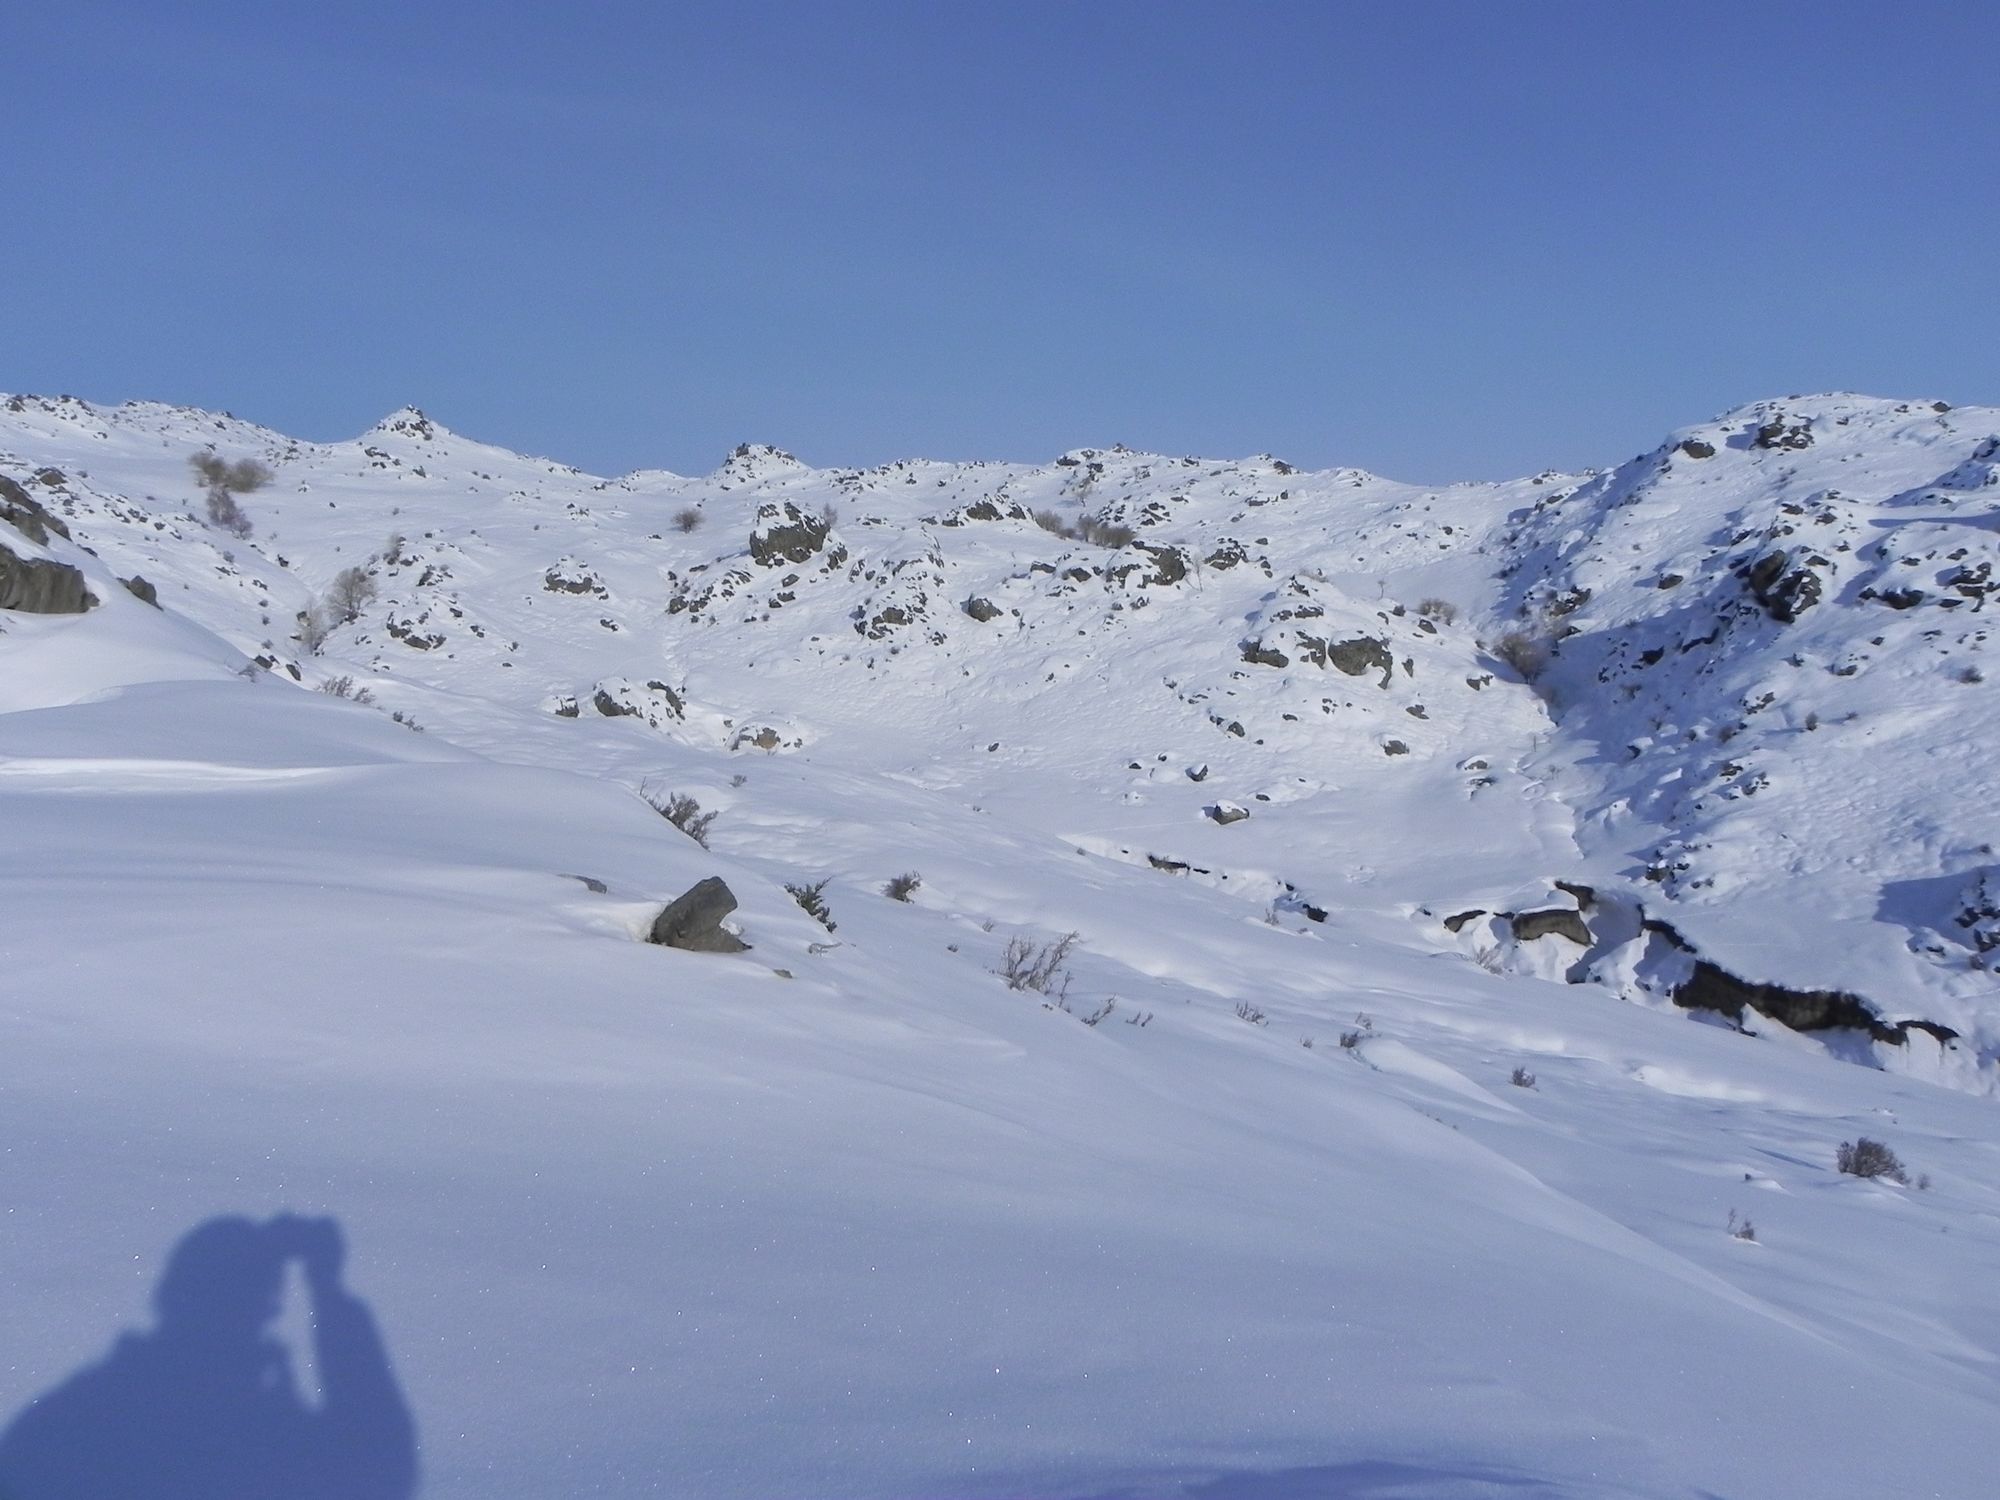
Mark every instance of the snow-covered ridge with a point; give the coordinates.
(1758, 721)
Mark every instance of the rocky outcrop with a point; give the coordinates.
(28, 515)
(1979, 914)
(1358, 657)
(693, 921)
(786, 534)
(41, 586)
(1779, 434)
(1785, 589)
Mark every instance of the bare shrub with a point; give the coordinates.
(812, 902)
(903, 886)
(1245, 1011)
(343, 687)
(1441, 610)
(1526, 651)
(1869, 1158)
(683, 812)
(1741, 1229)
(1050, 522)
(1521, 1078)
(1350, 1040)
(688, 518)
(1102, 533)
(1043, 968)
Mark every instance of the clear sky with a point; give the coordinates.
(1434, 240)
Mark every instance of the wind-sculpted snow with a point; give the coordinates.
(1332, 1152)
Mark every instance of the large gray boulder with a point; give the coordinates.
(41, 586)
(693, 921)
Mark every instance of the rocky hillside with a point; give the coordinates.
(1710, 729)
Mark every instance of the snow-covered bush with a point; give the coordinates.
(903, 886)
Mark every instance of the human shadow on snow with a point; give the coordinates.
(205, 1406)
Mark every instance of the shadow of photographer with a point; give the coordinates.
(206, 1404)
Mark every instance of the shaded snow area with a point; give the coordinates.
(1468, 925)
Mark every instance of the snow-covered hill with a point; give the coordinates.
(1360, 798)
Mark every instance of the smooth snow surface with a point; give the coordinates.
(845, 1215)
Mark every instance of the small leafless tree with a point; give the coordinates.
(350, 592)
(223, 481)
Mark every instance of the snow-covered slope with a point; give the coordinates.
(1256, 1204)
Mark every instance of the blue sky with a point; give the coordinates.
(1434, 240)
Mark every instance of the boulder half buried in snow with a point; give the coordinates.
(693, 920)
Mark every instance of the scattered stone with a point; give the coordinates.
(141, 590)
(1226, 813)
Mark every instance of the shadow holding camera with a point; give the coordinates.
(207, 1405)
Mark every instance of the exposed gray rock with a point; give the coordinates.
(1712, 987)
(693, 920)
(983, 610)
(786, 534)
(41, 586)
(141, 590)
(28, 515)
(1357, 657)
(1780, 434)
(1786, 591)
(1554, 921)
(1696, 448)
(1226, 813)
(1457, 921)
